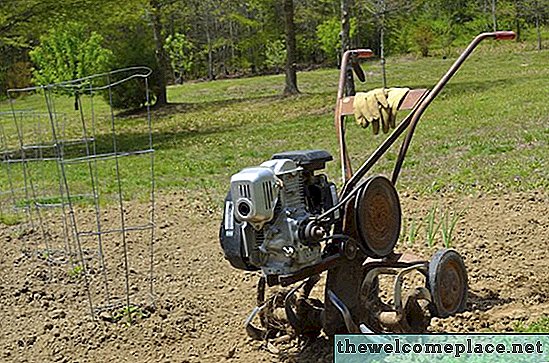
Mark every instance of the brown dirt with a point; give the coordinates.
(202, 302)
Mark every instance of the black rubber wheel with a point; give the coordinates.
(378, 216)
(447, 283)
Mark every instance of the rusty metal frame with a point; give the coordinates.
(416, 100)
(349, 280)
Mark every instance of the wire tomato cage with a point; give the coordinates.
(80, 174)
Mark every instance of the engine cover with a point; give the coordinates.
(255, 193)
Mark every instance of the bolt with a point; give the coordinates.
(288, 251)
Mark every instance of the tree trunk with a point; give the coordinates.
(161, 55)
(291, 52)
(517, 23)
(346, 44)
(382, 42)
(211, 75)
(494, 18)
(232, 41)
(538, 30)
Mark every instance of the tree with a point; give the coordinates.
(162, 57)
(17, 17)
(181, 53)
(346, 43)
(20, 21)
(291, 52)
(134, 47)
(68, 52)
(494, 18)
(536, 11)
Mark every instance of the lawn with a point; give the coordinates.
(488, 129)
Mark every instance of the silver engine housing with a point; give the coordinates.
(270, 199)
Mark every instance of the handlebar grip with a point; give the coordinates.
(363, 53)
(505, 35)
(358, 71)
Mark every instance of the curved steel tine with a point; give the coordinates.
(347, 318)
(253, 331)
(290, 314)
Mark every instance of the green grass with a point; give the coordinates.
(10, 219)
(539, 326)
(488, 130)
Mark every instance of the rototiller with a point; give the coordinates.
(286, 219)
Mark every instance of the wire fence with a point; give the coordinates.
(68, 170)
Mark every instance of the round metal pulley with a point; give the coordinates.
(378, 216)
(447, 282)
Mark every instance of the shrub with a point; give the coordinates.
(68, 52)
(275, 55)
(136, 48)
(181, 53)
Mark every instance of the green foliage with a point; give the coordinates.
(10, 219)
(76, 272)
(242, 37)
(445, 30)
(181, 52)
(423, 37)
(328, 35)
(401, 40)
(68, 52)
(134, 48)
(275, 54)
(129, 314)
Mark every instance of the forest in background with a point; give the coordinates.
(45, 41)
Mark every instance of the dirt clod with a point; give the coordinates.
(57, 314)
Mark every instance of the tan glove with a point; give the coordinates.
(378, 106)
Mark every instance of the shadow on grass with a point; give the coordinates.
(128, 141)
(173, 108)
(454, 88)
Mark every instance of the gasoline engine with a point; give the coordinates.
(270, 214)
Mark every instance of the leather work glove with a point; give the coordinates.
(378, 106)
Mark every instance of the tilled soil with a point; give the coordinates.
(201, 302)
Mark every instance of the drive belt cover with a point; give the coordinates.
(378, 216)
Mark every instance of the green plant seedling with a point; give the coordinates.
(76, 272)
(413, 231)
(448, 226)
(129, 314)
(432, 226)
(10, 219)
